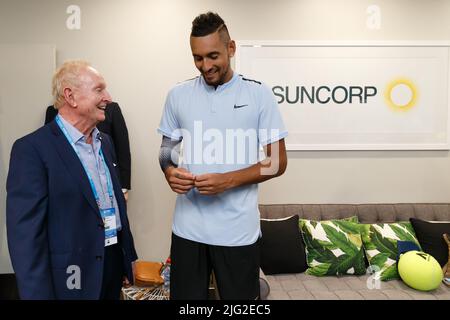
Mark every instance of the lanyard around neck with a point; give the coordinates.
(91, 181)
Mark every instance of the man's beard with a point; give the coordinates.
(221, 79)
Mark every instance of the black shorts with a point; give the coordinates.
(236, 270)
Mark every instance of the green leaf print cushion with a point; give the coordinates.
(380, 244)
(333, 247)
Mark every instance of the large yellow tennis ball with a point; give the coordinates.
(420, 271)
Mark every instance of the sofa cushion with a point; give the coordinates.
(380, 244)
(333, 247)
(282, 249)
(430, 238)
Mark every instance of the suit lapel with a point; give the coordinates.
(73, 165)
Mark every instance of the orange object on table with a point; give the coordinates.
(148, 274)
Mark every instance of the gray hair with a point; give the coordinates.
(67, 75)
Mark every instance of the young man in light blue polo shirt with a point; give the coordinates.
(222, 119)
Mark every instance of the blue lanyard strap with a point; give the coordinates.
(91, 182)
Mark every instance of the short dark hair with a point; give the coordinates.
(207, 23)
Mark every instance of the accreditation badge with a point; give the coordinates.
(109, 220)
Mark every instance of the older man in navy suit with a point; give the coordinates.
(68, 231)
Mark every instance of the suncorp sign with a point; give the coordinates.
(400, 94)
(324, 94)
(356, 97)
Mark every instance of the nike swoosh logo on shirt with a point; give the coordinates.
(240, 106)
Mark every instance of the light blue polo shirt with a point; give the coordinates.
(222, 130)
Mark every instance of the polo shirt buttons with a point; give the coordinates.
(213, 107)
(98, 258)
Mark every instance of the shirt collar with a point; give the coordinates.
(222, 86)
(75, 134)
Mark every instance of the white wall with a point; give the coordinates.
(142, 48)
(18, 74)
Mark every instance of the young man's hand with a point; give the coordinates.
(180, 180)
(213, 183)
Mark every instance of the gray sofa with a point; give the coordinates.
(303, 286)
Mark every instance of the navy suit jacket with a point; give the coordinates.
(53, 221)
